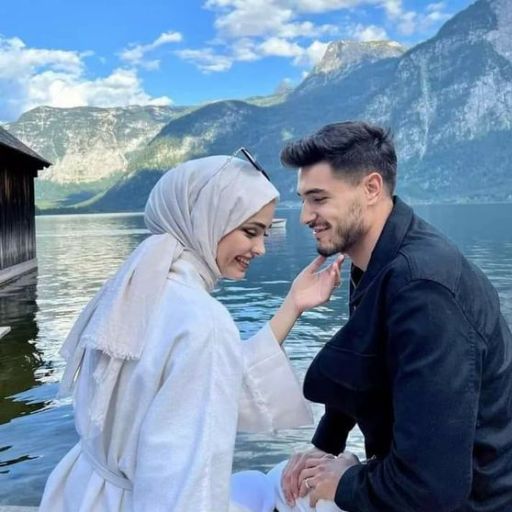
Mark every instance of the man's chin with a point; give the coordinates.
(326, 251)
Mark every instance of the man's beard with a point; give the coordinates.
(346, 234)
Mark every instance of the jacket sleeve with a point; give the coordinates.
(271, 396)
(435, 376)
(332, 431)
(185, 446)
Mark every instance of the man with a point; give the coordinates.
(424, 363)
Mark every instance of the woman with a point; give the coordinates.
(159, 374)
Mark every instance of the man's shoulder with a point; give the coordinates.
(425, 255)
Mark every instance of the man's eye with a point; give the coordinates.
(319, 200)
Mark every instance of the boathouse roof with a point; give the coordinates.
(10, 141)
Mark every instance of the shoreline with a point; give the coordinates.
(12, 508)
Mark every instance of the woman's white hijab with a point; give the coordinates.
(190, 209)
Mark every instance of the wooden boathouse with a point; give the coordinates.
(18, 168)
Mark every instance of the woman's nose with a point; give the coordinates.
(259, 248)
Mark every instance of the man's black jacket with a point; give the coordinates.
(424, 367)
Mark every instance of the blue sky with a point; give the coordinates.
(67, 53)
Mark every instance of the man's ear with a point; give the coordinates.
(373, 187)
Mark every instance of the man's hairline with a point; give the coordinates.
(340, 175)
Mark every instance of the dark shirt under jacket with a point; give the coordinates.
(424, 367)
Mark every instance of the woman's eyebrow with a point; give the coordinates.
(257, 224)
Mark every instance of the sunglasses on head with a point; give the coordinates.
(251, 160)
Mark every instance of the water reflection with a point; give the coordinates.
(19, 356)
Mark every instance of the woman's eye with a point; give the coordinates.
(250, 233)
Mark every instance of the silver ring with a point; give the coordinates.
(309, 487)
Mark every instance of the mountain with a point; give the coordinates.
(89, 147)
(222, 127)
(448, 102)
(343, 57)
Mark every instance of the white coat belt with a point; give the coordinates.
(117, 479)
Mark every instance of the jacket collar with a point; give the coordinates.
(387, 247)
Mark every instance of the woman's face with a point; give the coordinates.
(237, 249)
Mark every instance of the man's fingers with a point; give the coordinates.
(291, 477)
(311, 463)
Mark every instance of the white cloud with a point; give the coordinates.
(282, 18)
(280, 48)
(248, 30)
(435, 14)
(409, 23)
(263, 18)
(252, 19)
(210, 60)
(206, 59)
(30, 77)
(245, 51)
(368, 33)
(16, 58)
(135, 53)
(121, 87)
(312, 55)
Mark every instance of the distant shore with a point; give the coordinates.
(287, 205)
(17, 509)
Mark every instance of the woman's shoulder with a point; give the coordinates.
(198, 308)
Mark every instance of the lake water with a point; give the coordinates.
(77, 253)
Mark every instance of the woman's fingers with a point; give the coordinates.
(290, 480)
(287, 478)
(306, 480)
(315, 265)
(336, 269)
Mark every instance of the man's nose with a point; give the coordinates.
(306, 215)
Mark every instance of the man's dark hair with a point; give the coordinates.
(353, 149)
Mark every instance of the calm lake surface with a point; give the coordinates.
(77, 253)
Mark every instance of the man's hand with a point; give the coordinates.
(321, 476)
(290, 481)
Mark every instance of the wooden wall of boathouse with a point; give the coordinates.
(17, 210)
(18, 168)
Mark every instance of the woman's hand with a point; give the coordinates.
(290, 478)
(310, 288)
(321, 477)
(313, 286)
